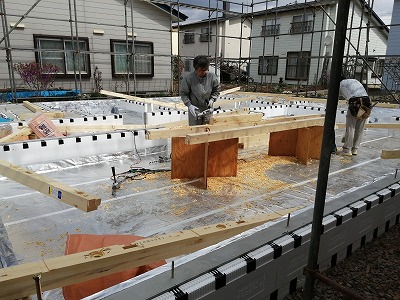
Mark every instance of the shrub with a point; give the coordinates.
(35, 76)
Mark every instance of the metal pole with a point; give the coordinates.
(78, 50)
(9, 60)
(327, 142)
(128, 55)
(133, 53)
(73, 46)
(19, 21)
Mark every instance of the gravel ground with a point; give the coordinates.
(373, 271)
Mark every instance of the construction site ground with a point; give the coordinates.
(38, 226)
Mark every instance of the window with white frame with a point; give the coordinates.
(268, 65)
(301, 23)
(188, 38)
(63, 53)
(271, 27)
(205, 35)
(297, 65)
(122, 58)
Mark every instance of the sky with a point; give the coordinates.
(383, 8)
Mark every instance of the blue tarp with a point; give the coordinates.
(28, 94)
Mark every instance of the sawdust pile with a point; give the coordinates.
(251, 174)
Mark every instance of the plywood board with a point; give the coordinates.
(187, 161)
(316, 141)
(222, 158)
(283, 143)
(303, 145)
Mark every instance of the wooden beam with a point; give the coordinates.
(236, 119)
(390, 154)
(375, 125)
(232, 90)
(50, 187)
(50, 115)
(17, 136)
(17, 281)
(178, 131)
(198, 138)
(177, 106)
(32, 107)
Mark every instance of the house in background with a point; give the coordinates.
(293, 43)
(391, 71)
(105, 32)
(226, 38)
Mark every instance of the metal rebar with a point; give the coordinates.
(37, 277)
(327, 141)
(335, 285)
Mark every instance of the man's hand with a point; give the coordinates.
(194, 110)
(210, 103)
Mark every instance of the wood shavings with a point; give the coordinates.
(251, 175)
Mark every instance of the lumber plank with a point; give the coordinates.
(51, 115)
(229, 91)
(177, 106)
(16, 282)
(20, 135)
(197, 138)
(32, 107)
(375, 125)
(236, 119)
(171, 131)
(390, 154)
(50, 187)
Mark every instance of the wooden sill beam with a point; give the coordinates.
(17, 281)
(50, 187)
(198, 138)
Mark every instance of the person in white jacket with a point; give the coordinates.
(199, 90)
(359, 107)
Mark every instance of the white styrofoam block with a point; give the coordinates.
(371, 200)
(199, 286)
(345, 213)
(234, 269)
(329, 222)
(262, 255)
(385, 193)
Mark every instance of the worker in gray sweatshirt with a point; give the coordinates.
(199, 90)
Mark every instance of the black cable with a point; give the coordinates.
(137, 173)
